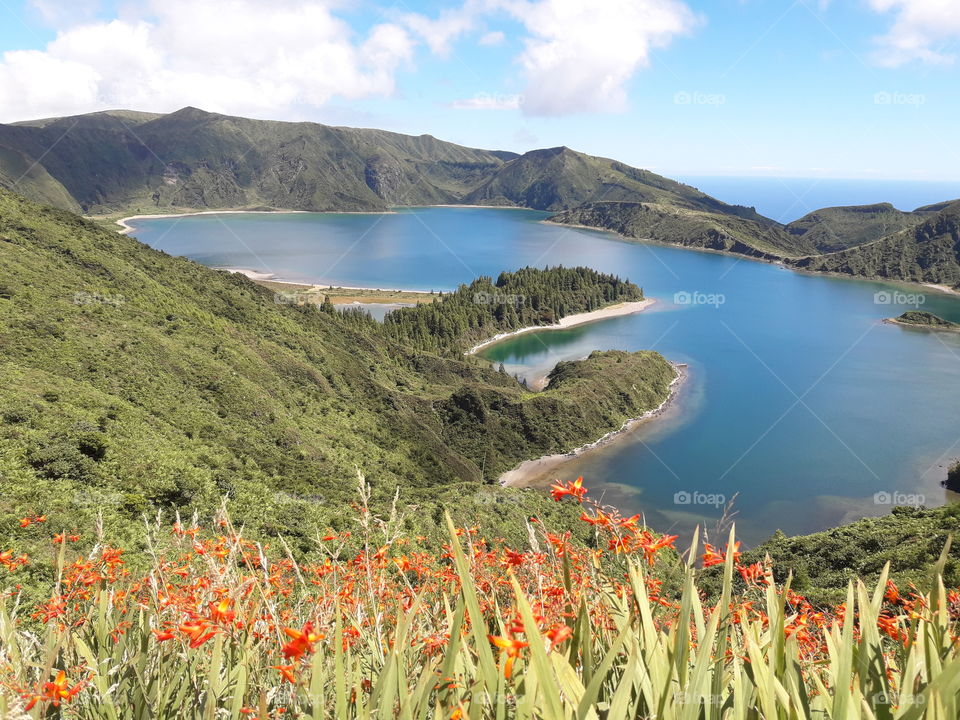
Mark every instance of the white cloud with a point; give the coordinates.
(920, 31)
(57, 12)
(486, 101)
(492, 38)
(578, 55)
(581, 55)
(236, 56)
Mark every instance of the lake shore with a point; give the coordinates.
(270, 278)
(941, 288)
(126, 228)
(569, 321)
(526, 473)
(782, 263)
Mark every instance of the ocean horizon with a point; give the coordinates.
(788, 199)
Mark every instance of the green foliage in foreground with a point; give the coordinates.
(909, 539)
(134, 381)
(619, 653)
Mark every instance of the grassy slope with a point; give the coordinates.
(698, 228)
(840, 228)
(118, 162)
(911, 539)
(192, 159)
(928, 252)
(134, 380)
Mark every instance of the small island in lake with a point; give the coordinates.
(921, 318)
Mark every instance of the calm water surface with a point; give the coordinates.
(801, 404)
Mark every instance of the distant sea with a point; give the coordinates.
(786, 199)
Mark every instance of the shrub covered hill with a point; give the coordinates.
(134, 381)
(125, 162)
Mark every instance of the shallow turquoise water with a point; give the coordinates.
(800, 403)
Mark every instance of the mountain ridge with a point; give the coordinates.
(128, 162)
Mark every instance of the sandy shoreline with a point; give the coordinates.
(533, 469)
(569, 321)
(942, 288)
(270, 277)
(126, 228)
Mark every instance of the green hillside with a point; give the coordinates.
(191, 159)
(729, 231)
(126, 162)
(135, 381)
(840, 228)
(928, 252)
(910, 539)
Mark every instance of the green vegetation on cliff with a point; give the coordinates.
(124, 162)
(840, 228)
(730, 229)
(927, 253)
(135, 381)
(910, 539)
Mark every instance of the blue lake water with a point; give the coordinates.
(800, 402)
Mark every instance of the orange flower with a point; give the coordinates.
(711, 557)
(58, 690)
(557, 634)
(221, 613)
(574, 489)
(753, 574)
(198, 633)
(301, 641)
(513, 558)
(287, 672)
(511, 647)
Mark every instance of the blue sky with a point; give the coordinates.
(847, 88)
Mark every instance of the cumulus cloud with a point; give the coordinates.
(581, 55)
(238, 56)
(921, 30)
(578, 55)
(281, 58)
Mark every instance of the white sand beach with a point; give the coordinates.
(627, 308)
